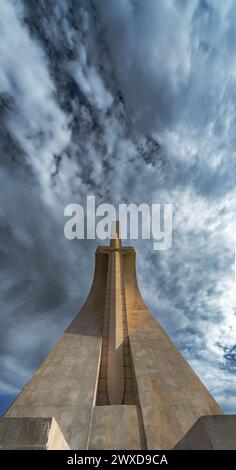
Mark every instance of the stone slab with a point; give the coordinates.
(31, 434)
(115, 427)
(216, 432)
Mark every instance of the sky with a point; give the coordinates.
(132, 102)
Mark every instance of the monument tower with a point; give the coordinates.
(114, 380)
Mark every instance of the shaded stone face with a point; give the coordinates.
(115, 373)
(210, 433)
(31, 434)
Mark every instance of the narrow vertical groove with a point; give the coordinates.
(115, 372)
(102, 397)
(129, 395)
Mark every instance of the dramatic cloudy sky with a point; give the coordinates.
(131, 101)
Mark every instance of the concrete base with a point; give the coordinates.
(115, 427)
(216, 432)
(31, 434)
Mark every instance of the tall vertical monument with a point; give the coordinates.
(114, 380)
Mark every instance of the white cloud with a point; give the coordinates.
(90, 81)
(37, 123)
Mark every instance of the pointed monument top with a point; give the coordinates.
(115, 241)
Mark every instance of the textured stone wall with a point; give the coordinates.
(31, 434)
(210, 433)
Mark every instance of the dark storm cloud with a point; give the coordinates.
(131, 101)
